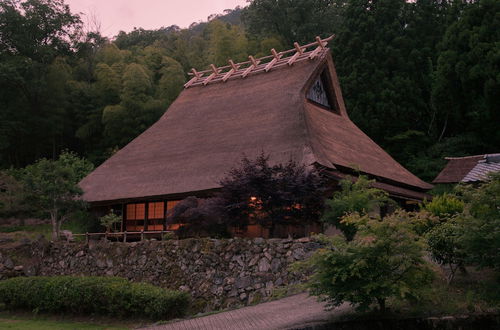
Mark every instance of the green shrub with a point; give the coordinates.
(110, 296)
(354, 196)
(423, 221)
(384, 260)
(445, 246)
(444, 206)
(481, 223)
(109, 220)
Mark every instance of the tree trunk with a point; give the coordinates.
(444, 128)
(381, 304)
(55, 227)
(59, 222)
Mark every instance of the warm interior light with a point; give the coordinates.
(253, 199)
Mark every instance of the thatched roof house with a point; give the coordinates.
(288, 105)
(468, 169)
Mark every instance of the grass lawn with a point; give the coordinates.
(18, 232)
(51, 325)
(28, 321)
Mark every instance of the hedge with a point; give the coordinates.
(110, 296)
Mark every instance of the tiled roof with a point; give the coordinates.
(468, 169)
(490, 163)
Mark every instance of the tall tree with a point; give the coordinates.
(226, 41)
(33, 34)
(292, 20)
(466, 89)
(51, 186)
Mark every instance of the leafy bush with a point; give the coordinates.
(109, 220)
(356, 196)
(444, 243)
(271, 195)
(384, 260)
(423, 221)
(444, 205)
(254, 192)
(12, 197)
(200, 217)
(481, 223)
(110, 296)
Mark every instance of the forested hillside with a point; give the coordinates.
(421, 78)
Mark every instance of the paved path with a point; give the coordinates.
(291, 312)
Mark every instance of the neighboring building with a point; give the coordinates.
(288, 105)
(468, 169)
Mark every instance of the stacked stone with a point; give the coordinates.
(218, 273)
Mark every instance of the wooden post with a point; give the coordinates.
(234, 68)
(123, 217)
(87, 238)
(215, 72)
(273, 61)
(318, 49)
(299, 51)
(124, 236)
(251, 67)
(142, 234)
(320, 42)
(196, 75)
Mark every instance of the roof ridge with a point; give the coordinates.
(254, 65)
(465, 157)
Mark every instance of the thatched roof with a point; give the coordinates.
(469, 168)
(208, 129)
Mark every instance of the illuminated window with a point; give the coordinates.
(156, 214)
(136, 211)
(135, 215)
(170, 207)
(156, 210)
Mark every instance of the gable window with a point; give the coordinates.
(321, 92)
(317, 93)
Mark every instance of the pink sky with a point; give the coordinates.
(116, 15)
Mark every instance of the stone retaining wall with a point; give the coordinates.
(217, 273)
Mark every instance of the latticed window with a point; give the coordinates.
(170, 207)
(156, 215)
(156, 210)
(321, 92)
(136, 211)
(318, 94)
(135, 216)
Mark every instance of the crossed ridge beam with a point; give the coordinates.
(266, 63)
